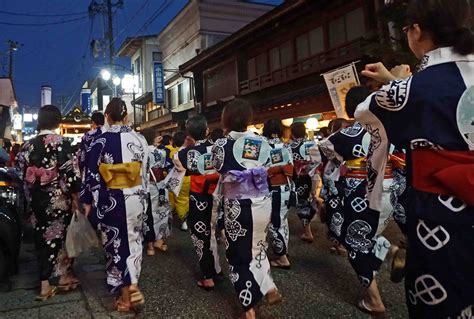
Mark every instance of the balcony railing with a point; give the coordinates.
(318, 63)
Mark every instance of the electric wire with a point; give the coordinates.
(42, 24)
(43, 15)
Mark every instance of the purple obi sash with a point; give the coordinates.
(251, 183)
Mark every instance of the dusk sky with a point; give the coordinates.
(59, 55)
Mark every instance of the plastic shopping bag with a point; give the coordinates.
(80, 236)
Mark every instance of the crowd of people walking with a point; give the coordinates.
(408, 155)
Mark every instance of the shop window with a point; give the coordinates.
(302, 47)
(337, 32)
(350, 26)
(157, 56)
(262, 64)
(137, 68)
(183, 92)
(251, 69)
(275, 59)
(355, 24)
(316, 41)
(286, 54)
(172, 97)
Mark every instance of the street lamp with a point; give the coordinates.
(116, 81)
(105, 74)
(311, 125)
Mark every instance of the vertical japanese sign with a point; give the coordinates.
(159, 83)
(86, 101)
(339, 81)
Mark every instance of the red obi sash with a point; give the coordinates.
(158, 174)
(301, 167)
(445, 173)
(278, 175)
(204, 184)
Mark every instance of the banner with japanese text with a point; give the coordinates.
(159, 83)
(339, 81)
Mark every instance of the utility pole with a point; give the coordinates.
(110, 33)
(105, 9)
(13, 46)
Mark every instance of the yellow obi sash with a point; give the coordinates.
(120, 176)
(358, 163)
(357, 168)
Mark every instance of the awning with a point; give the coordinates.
(143, 99)
(162, 120)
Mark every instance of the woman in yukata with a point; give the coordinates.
(52, 183)
(280, 173)
(240, 159)
(117, 177)
(158, 217)
(431, 115)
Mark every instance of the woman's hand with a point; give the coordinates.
(401, 71)
(378, 72)
(75, 203)
(87, 209)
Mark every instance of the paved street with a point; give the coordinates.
(319, 285)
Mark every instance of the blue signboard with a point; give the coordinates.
(159, 83)
(86, 101)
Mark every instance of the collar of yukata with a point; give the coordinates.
(299, 140)
(47, 132)
(443, 55)
(236, 135)
(200, 142)
(119, 128)
(274, 140)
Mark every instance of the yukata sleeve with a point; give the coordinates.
(81, 153)
(145, 171)
(91, 181)
(21, 160)
(381, 114)
(68, 170)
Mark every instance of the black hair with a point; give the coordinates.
(98, 118)
(237, 115)
(179, 138)
(354, 97)
(272, 127)
(216, 134)
(149, 134)
(166, 140)
(49, 117)
(448, 22)
(116, 109)
(337, 124)
(298, 130)
(325, 131)
(196, 127)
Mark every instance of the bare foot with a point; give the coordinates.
(250, 314)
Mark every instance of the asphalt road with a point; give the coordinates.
(319, 285)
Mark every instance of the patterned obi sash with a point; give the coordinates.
(444, 172)
(204, 184)
(250, 183)
(357, 168)
(41, 174)
(120, 176)
(278, 175)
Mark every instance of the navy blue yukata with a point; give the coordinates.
(431, 114)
